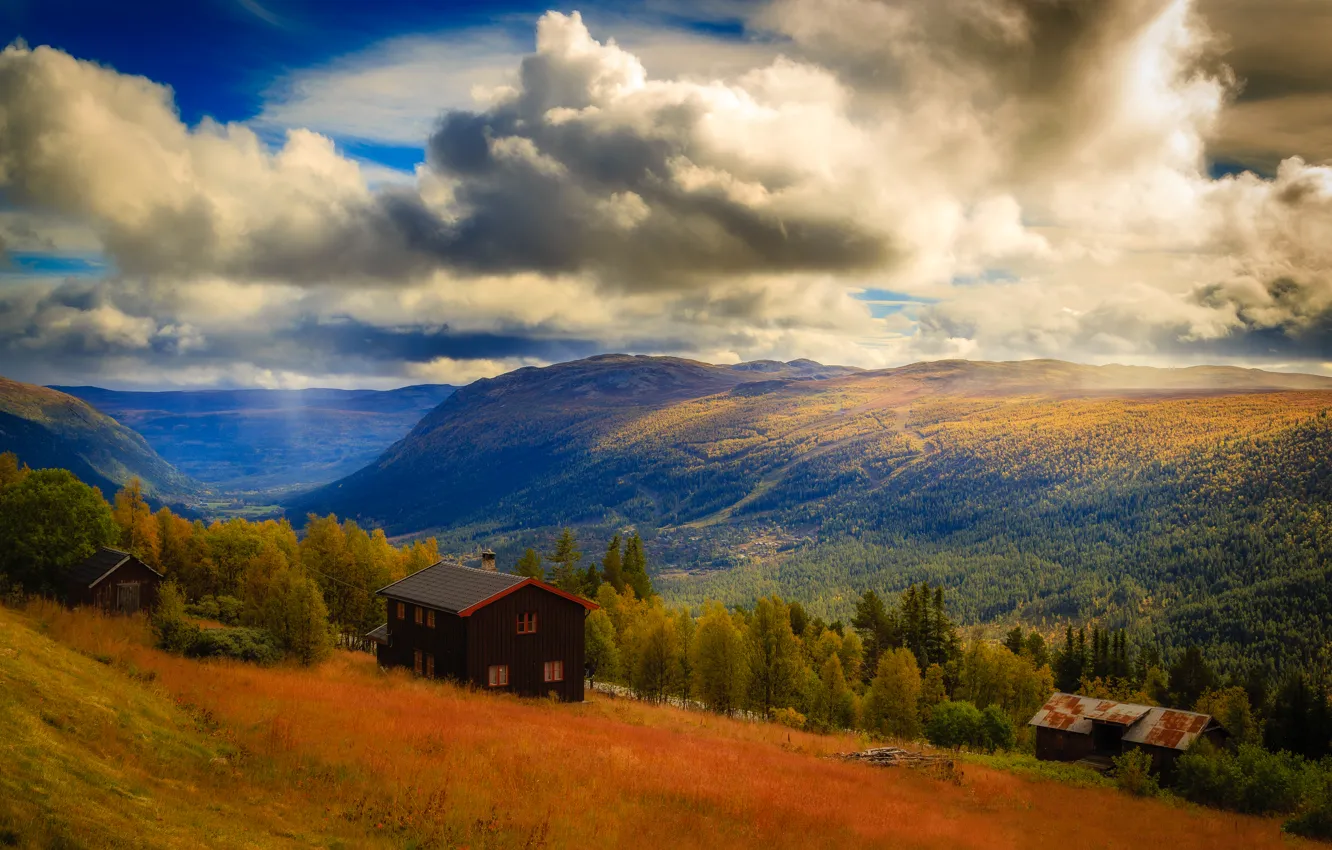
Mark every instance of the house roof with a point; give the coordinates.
(379, 634)
(460, 590)
(1144, 724)
(101, 564)
(1170, 728)
(1073, 713)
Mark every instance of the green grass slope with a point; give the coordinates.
(46, 428)
(93, 755)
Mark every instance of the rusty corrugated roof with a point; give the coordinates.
(1168, 727)
(1073, 713)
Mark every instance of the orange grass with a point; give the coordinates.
(416, 761)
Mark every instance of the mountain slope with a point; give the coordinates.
(48, 428)
(269, 439)
(1189, 502)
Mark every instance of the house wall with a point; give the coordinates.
(105, 594)
(493, 639)
(447, 641)
(1059, 745)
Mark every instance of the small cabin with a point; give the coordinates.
(498, 631)
(113, 581)
(1075, 728)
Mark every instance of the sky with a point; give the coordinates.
(293, 193)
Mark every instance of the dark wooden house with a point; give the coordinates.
(114, 581)
(495, 630)
(1070, 727)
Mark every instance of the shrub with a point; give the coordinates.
(229, 610)
(1250, 779)
(789, 717)
(172, 629)
(1315, 822)
(956, 724)
(996, 729)
(1133, 773)
(241, 644)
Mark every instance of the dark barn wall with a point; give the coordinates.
(447, 641)
(493, 639)
(105, 593)
(1058, 745)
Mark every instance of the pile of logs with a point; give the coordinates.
(939, 766)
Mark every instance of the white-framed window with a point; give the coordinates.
(498, 676)
(554, 671)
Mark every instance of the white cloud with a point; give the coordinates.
(1038, 170)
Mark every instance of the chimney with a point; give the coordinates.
(488, 560)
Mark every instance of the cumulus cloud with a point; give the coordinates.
(1036, 175)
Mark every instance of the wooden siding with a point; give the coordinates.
(1059, 745)
(107, 595)
(493, 639)
(447, 641)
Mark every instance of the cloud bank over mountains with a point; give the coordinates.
(867, 183)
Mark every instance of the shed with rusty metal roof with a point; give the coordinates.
(1071, 727)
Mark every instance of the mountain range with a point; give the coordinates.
(48, 428)
(269, 441)
(1190, 502)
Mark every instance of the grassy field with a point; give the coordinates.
(115, 744)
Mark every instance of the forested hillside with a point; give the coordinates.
(268, 440)
(1189, 501)
(52, 429)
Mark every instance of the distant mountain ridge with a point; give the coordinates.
(1191, 500)
(488, 445)
(48, 428)
(268, 440)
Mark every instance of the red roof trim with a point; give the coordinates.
(471, 609)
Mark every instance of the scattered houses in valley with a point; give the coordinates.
(113, 581)
(496, 630)
(1070, 727)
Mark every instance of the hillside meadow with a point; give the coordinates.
(116, 744)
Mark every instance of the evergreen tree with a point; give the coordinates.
(529, 565)
(565, 558)
(591, 582)
(612, 565)
(635, 568)
(1069, 666)
(1014, 640)
(1190, 678)
(877, 628)
(1299, 717)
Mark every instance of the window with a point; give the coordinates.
(554, 671)
(430, 619)
(420, 614)
(430, 665)
(527, 623)
(402, 611)
(416, 661)
(499, 675)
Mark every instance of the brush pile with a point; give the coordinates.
(940, 767)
